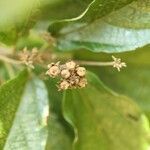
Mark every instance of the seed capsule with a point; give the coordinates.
(65, 73)
(70, 65)
(81, 71)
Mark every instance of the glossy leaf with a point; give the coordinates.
(116, 32)
(28, 129)
(10, 96)
(94, 9)
(66, 8)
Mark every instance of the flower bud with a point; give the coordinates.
(81, 71)
(65, 73)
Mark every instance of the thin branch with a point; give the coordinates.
(116, 63)
(9, 60)
(95, 63)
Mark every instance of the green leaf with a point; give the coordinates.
(10, 96)
(3, 73)
(29, 129)
(66, 9)
(60, 135)
(134, 80)
(94, 9)
(58, 138)
(116, 32)
(104, 120)
(17, 17)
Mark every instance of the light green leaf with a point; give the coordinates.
(66, 9)
(91, 10)
(116, 32)
(104, 120)
(17, 17)
(29, 126)
(23, 118)
(58, 138)
(136, 15)
(3, 73)
(10, 96)
(28, 130)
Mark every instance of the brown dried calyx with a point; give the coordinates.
(71, 75)
(29, 58)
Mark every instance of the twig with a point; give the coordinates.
(10, 60)
(95, 63)
(116, 63)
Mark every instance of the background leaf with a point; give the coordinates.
(28, 130)
(132, 81)
(17, 17)
(104, 120)
(10, 96)
(94, 9)
(116, 32)
(60, 135)
(66, 9)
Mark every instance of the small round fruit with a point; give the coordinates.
(81, 71)
(53, 71)
(65, 73)
(64, 85)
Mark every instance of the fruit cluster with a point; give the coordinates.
(71, 75)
